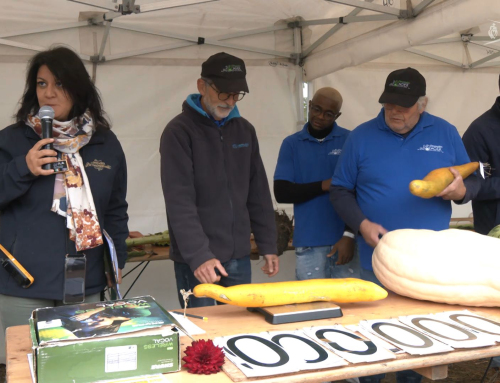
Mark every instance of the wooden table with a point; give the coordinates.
(230, 320)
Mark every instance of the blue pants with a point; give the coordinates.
(239, 272)
(313, 263)
(407, 376)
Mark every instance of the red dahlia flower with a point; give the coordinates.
(203, 357)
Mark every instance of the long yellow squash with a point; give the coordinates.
(437, 180)
(285, 293)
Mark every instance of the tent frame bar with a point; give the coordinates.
(340, 23)
(371, 7)
(435, 57)
(332, 31)
(104, 40)
(108, 5)
(385, 14)
(210, 41)
(485, 59)
(350, 18)
(45, 29)
(421, 6)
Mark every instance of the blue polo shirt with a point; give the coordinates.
(380, 164)
(304, 159)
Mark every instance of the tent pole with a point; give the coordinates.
(299, 76)
(104, 40)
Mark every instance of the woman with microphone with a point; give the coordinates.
(52, 221)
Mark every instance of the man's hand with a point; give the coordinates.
(205, 273)
(325, 185)
(371, 232)
(37, 157)
(345, 248)
(456, 190)
(272, 265)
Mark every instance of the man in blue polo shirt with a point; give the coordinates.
(303, 174)
(379, 160)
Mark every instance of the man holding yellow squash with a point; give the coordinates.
(370, 186)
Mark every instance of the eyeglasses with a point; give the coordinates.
(328, 115)
(225, 96)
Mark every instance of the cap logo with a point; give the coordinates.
(400, 84)
(231, 68)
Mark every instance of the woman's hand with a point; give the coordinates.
(38, 157)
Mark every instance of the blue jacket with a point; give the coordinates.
(36, 236)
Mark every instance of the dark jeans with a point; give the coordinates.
(239, 272)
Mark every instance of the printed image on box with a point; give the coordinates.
(89, 320)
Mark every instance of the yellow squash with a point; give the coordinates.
(437, 180)
(286, 293)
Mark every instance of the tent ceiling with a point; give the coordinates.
(462, 33)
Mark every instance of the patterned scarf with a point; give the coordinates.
(72, 194)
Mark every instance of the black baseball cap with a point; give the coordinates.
(403, 87)
(227, 72)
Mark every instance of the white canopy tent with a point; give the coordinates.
(145, 57)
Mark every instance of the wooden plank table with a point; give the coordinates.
(230, 320)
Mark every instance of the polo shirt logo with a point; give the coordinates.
(239, 146)
(335, 152)
(432, 148)
(400, 84)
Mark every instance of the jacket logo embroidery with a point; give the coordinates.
(239, 146)
(335, 152)
(98, 164)
(432, 148)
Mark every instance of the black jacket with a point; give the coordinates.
(216, 190)
(36, 236)
(482, 141)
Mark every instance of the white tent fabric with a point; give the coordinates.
(441, 20)
(143, 82)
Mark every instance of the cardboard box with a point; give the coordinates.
(106, 340)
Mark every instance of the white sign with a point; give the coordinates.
(347, 344)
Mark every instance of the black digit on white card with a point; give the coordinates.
(371, 348)
(417, 322)
(455, 317)
(284, 358)
(322, 354)
(427, 341)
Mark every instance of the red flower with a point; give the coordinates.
(203, 357)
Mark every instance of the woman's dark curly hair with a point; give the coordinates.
(68, 68)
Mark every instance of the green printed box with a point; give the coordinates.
(106, 340)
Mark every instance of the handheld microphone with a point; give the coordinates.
(46, 114)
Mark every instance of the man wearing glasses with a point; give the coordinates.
(306, 162)
(215, 186)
